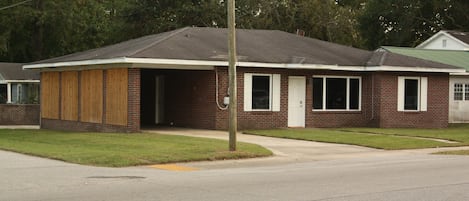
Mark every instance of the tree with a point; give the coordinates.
(408, 23)
(46, 28)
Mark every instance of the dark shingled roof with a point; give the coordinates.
(263, 46)
(14, 71)
(462, 36)
(210, 44)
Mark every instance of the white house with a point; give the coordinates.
(447, 40)
(18, 86)
(449, 47)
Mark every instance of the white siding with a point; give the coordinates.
(458, 110)
(437, 44)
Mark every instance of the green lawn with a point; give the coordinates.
(458, 152)
(388, 139)
(118, 150)
(459, 133)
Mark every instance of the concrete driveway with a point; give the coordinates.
(285, 150)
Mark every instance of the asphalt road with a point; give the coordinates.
(390, 177)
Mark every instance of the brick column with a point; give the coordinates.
(133, 124)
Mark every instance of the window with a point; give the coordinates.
(25, 93)
(412, 94)
(444, 43)
(336, 93)
(461, 92)
(3, 94)
(458, 92)
(261, 92)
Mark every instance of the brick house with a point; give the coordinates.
(19, 95)
(180, 78)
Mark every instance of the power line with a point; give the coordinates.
(13, 5)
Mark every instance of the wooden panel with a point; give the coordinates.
(69, 96)
(91, 97)
(116, 97)
(50, 95)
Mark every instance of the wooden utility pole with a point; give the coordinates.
(233, 122)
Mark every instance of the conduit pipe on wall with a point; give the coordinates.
(216, 92)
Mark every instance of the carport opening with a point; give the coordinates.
(181, 98)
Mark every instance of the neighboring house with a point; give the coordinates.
(284, 80)
(19, 95)
(459, 82)
(447, 40)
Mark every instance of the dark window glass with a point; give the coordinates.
(3, 93)
(411, 94)
(317, 93)
(260, 92)
(354, 94)
(336, 93)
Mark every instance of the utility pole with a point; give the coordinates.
(233, 122)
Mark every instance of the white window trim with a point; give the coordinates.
(324, 77)
(274, 92)
(422, 91)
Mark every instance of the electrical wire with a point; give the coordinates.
(13, 5)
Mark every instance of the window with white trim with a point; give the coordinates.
(336, 93)
(461, 92)
(261, 92)
(412, 94)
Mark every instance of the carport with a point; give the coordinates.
(183, 98)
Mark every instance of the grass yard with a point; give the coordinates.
(118, 150)
(381, 138)
(458, 152)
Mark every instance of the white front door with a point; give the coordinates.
(296, 101)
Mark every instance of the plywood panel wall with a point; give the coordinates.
(91, 98)
(116, 97)
(69, 96)
(50, 95)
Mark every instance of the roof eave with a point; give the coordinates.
(209, 65)
(415, 69)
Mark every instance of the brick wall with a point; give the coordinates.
(134, 85)
(436, 115)
(12, 114)
(189, 98)
(261, 119)
(378, 103)
(65, 125)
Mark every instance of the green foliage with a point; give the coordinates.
(47, 28)
(42, 29)
(118, 150)
(408, 23)
(389, 139)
